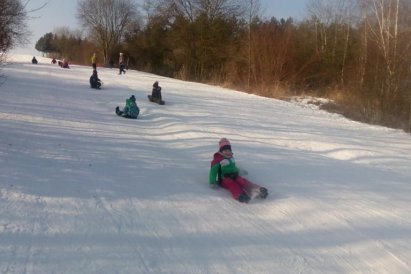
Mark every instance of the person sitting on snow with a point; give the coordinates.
(223, 172)
(156, 92)
(54, 61)
(65, 64)
(34, 60)
(131, 109)
(95, 82)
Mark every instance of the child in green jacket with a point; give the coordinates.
(224, 172)
(131, 109)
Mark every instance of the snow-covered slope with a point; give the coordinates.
(85, 191)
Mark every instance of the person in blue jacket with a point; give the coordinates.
(131, 109)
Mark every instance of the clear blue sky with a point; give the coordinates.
(62, 13)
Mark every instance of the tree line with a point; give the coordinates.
(356, 52)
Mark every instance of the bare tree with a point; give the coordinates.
(13, 29)
(191, 9)
(186, 7)
(334, 21)
(220, 8)
(382, 22)
(107, 21)
(385, 61)
(253, 10)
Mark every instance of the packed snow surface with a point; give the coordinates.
(85, 191)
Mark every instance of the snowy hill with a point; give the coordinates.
(85, 191)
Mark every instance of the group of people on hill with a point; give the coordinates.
(62, 64)
(95, 82)
(223, 171)
(130, 110)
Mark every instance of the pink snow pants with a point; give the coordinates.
(238, 186)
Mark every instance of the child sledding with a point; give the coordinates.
(95, 82)
(64, 64)
(224, 173)
(155, 96)
(131, 109)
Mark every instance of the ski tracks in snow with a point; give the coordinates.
(123, 218)
(24, 222)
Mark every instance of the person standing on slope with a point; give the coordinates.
(224, 172)
(121, 64)
(94, 61)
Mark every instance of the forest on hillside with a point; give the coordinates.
(355, 52)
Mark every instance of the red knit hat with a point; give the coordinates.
(224, 144)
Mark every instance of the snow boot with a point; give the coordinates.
(263, 193)
(244, 198)
(118, 111)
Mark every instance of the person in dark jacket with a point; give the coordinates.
(121, 64)
(34, 60)
(156, 92)
(155, 95)
(95, 82)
